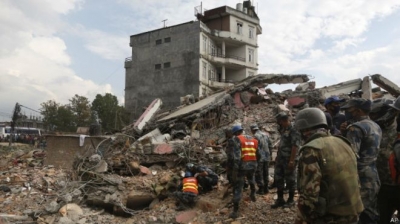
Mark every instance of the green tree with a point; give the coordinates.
(66, 119)
(109, 112)
(80, 106)
(49, 112)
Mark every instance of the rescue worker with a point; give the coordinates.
(328, 178)
(244, 166)
(384, 113)
(365, 137)
(332, 105)
(286, 160)
(263, 158)
(205, 176)
(188, 194)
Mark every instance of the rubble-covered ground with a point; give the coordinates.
(32, 193)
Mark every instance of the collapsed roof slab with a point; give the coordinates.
(341, 88)
(263, 79)
(386, 84)
(196, 107)
(366, 88)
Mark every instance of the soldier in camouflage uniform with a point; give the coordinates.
(286, 160)
(263, 158)
(365, 136)
(244, 166)
(229, 153)
(328, 178)
(384, 113)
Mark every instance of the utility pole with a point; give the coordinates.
(164, 22)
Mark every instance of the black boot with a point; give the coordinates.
(234, 214)
(261, 190)
(290, 202)
(279, 202)
(253, 195)
(272, 186)
(266, 189)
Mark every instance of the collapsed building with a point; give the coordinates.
(131, 174)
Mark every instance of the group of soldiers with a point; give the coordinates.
(344, 166)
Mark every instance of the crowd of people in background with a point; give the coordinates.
(35, 141)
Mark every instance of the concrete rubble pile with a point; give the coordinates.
(133, 174)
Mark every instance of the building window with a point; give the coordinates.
(239, 28)
(167, 39)
(204, 70)
(167, 64)
(213, 50)
(251, 55)
(157, 66)
(251, 32)
(158, 42)
(205, 44)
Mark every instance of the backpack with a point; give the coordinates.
(394, 166)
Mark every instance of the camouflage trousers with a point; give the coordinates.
(388, 202)
(327, 219)
(369, 195)
(238, 186)
(282, 174)
(186, 198)
(262, 174)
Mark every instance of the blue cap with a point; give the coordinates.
(236, 128)
(188, 174)
(333, 99)
(360, 103)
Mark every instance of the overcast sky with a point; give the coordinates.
(54, 49)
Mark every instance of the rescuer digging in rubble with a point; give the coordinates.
(188, 194)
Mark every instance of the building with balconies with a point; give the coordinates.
(197, 57)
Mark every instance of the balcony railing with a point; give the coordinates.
(215, 79)
(228, 56)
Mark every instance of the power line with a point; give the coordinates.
(30, 109)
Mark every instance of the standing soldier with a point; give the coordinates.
(328, 179)
(263, 158)
(285, 167)
(365, 137)
(244, 165)
(229, 153)
(384, 113)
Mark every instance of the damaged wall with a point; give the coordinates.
(61, 150)
(144, 82)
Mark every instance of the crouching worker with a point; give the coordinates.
(188, 195)
(205, 176)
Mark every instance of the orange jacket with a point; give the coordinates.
(190, 185)
(249, 148)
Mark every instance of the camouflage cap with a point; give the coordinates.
(359, 103)
(254, 127)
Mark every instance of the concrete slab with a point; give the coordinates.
(193, 107)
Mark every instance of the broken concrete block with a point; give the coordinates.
(186, 216)
(164, 179)
(134, 166)
(366, 88)
(282, 108)
(163, 148)
(138, 202)
(144, 170)
(52, 207)
(386, 84)
(195, 134)
(101, 167)
(72, 211)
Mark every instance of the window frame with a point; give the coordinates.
(159, 42)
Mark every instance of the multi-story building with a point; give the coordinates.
(196, 57)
